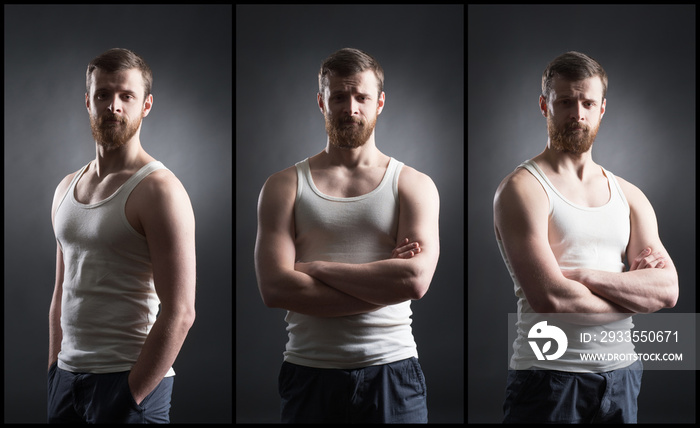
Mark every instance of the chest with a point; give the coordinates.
(90, 190)
(591, 193)
(346, 183)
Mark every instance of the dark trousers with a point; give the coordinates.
(548, 396)
(80, 398)
(389, 393)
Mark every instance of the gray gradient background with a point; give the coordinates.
(279, 50)
(47, 136)
(647, 137)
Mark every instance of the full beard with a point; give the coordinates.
(568, 140)
(342, 134)
(112, 136)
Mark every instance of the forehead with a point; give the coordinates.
(364, 81)
(130, 79)
(591, 87)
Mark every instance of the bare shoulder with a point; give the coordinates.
(280, 187)
(161, 184)
(160, 199)
(519, 185)
(414, 182)
(633, 194)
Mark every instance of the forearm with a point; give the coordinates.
(159, 352)
(642, 291)
(304, 294)
(581, 306)
(384, 282)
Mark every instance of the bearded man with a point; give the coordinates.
(123, 300)
(565, 226)
(346, 239)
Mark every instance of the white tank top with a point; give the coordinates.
(109, 302)
(580, 237)
(359, 229)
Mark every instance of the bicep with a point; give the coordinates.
(521, 220)
(169, 226)
(419, 207)
(275, 250)
(644, 230)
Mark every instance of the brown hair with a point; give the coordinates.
(118, 59)
(346, 62)
(572, 66)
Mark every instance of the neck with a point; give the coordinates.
(568, 163)
(367, 154)
(113, 160)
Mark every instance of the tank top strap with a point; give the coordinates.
(142, 173)
(548, 187)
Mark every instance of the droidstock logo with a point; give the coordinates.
(543, 331)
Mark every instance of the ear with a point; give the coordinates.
(380, 102)
(147, 105)
(543, 105)
(319, 100)
(602, 108)
(87, 102)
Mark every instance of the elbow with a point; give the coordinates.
(419, 276)
(544, 307)
(418, 290)
(672, 297)
(419, 283)
(269, 297)
(182, 318)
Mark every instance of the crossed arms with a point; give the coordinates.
(328, 289)
(521, 222)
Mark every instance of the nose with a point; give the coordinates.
(350, 106)
(577, 112)
(116, 105)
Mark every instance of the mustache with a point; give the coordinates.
(347, 120)
(111, 117)
(575, 126)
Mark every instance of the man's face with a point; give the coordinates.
(116, 107)
(574, 112)
(350, 106)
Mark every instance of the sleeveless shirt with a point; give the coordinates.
(580, 237)
(359, 229)
(109, 302)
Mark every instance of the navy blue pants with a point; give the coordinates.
(548, 396)
(80, 398)
(389, 393)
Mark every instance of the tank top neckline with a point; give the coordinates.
(387, 176)
(114, 194)
(563, 198)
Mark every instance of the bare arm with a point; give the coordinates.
(521, 223)
(394, 280)
(169, 226)
(55, 331)
(640, 289)
(275, 253)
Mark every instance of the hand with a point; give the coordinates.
(405, 250)
(138, 398)
(304, 267)
(574, 274)
(647, 259)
